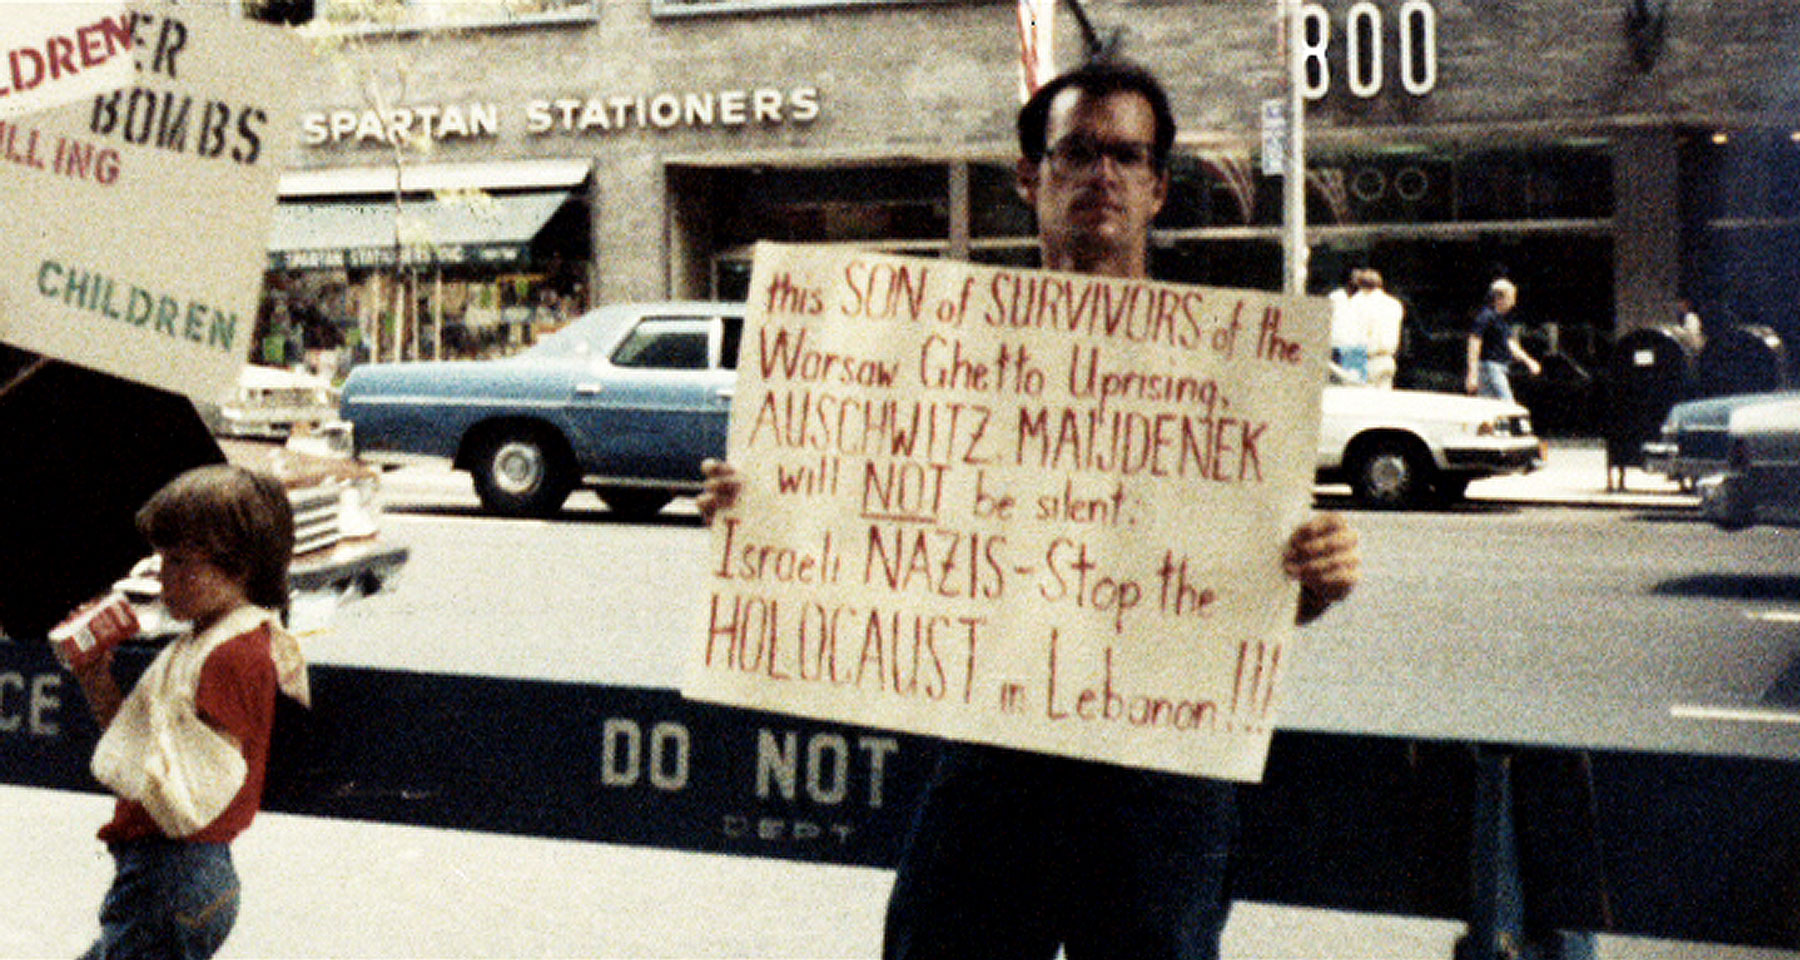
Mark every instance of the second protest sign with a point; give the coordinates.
(1015, 507)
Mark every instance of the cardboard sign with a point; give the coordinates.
(1014, 507)
(138, 220)
(56, 53)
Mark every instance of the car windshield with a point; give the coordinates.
(583, 338)
(666, 343)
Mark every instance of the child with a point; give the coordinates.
(187, 749)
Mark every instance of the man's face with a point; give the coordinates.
(1097, 188)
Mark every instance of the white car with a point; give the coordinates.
(1761, 482)
(270, 403)
(1403, 448)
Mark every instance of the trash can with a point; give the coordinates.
(1653, 369)
(1742, 359)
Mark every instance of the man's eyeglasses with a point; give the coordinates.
(1081, 154)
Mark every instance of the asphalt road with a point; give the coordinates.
(1631, 628)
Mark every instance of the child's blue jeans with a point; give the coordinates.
(168, 899)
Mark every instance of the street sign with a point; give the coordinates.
(1274, 138)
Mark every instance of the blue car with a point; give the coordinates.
(627, 400)
(1694, 441)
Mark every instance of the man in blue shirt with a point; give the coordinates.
(1493, 345)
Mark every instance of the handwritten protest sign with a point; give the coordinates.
(1014, 507)
(137, 221)
(55, 53)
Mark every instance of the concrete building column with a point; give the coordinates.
(631, 229)
(689, 195)
(959, 210)
(1647, 249)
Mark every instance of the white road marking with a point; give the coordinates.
(1770, 715)
(1774, 616)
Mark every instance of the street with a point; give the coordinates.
(1548, 612)
(1539, 624)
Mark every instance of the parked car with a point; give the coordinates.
(1693, 443)
(627, 400)
(271, 403)
(339, 553)
(1404, 448)
(1761, 482)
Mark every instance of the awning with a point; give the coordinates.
(504, 175)
(470, 229)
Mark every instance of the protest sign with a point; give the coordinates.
(137, 221)
(55, 53)
(1014, 507)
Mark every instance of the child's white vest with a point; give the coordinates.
(159, 753)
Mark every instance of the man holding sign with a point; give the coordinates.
(1018, 854)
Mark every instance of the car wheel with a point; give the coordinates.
(521, 474)
(632, 503)
(1388, 474)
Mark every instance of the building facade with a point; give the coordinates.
(521, 161)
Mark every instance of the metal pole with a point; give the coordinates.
(1293, 232)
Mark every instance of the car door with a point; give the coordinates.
(659, 401)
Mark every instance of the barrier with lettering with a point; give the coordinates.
(1017, 507)
(1696, 847)
(136, 221)
(528, 757)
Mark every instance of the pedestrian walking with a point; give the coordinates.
(1349, 331)
(1494, 345)
(1385, 317)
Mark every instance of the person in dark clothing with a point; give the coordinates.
(1494, 345)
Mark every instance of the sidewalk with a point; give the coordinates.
(339, 889)
(1575, 474)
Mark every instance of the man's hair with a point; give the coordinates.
(241, 520)
(1098, 78)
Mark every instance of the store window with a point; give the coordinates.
(1557, 183)
(1740, 192)
(894, 202)
(899, 207)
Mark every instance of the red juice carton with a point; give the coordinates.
(88, 633)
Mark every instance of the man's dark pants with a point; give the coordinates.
(1014, 854)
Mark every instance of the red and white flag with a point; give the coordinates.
(1037, 46)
